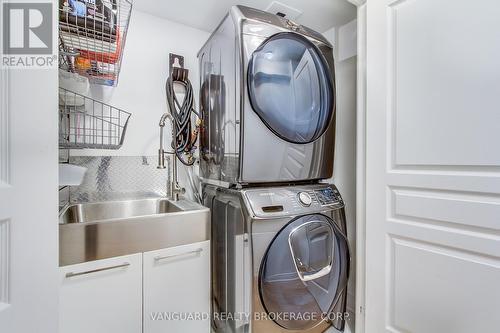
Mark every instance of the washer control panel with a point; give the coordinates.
(327, 196)
(291, 200)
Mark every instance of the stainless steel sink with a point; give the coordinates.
(92, 231)
(92, 212)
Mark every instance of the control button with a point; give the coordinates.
(305, 198)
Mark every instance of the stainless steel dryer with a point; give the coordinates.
(280, 259)
(267, 100)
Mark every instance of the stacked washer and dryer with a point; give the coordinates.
(280, 257)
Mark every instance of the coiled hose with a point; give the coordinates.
(185, 138)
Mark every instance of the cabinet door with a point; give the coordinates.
(102, 296)
(177, 289)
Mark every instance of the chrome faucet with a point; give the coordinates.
(174, 188)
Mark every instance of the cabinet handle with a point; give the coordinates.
(178, 255)
(71, 274)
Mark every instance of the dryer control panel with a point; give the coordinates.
(293, 200)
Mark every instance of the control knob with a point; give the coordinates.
(305, 198)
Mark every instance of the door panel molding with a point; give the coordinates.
(437, 110)
(457, 181)
(453, 209)
(4, 263)
(4, 128)
(409, 291)
(472, 242)
(443, 168)
(5, 192)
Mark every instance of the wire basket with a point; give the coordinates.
(87, 123)
(92, 35)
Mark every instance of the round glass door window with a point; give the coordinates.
(290, 87)
(303, 272)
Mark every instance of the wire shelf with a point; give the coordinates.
(87, 123)
(92, 35)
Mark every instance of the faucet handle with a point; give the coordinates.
(178, 189)
(161, 159)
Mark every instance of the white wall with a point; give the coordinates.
(345, 150)
(330, 35)
(347, 41)
(344, 176)
(141, 87)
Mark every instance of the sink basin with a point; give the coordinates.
(92, 231)
(91, 212)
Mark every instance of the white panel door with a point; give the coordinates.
(177, 289)
(433, 166)
(6, 212)
(28, 200)
(102, 296)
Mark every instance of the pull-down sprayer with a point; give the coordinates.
(174, 188)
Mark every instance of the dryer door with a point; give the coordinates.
(291, 88)
(303, 272)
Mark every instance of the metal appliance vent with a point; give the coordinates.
(283, 10)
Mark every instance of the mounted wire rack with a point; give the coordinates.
(87, 123)
(92, 36)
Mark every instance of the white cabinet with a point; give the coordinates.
(102, 296)
(177, 289)
(166, 290)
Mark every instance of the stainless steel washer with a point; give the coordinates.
(280, 258)
(267, 100)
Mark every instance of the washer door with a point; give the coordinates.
(303, 272)
(291, 88)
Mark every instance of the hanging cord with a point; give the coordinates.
(194, 185)
(185, 138)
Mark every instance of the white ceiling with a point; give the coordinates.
(319, 15)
